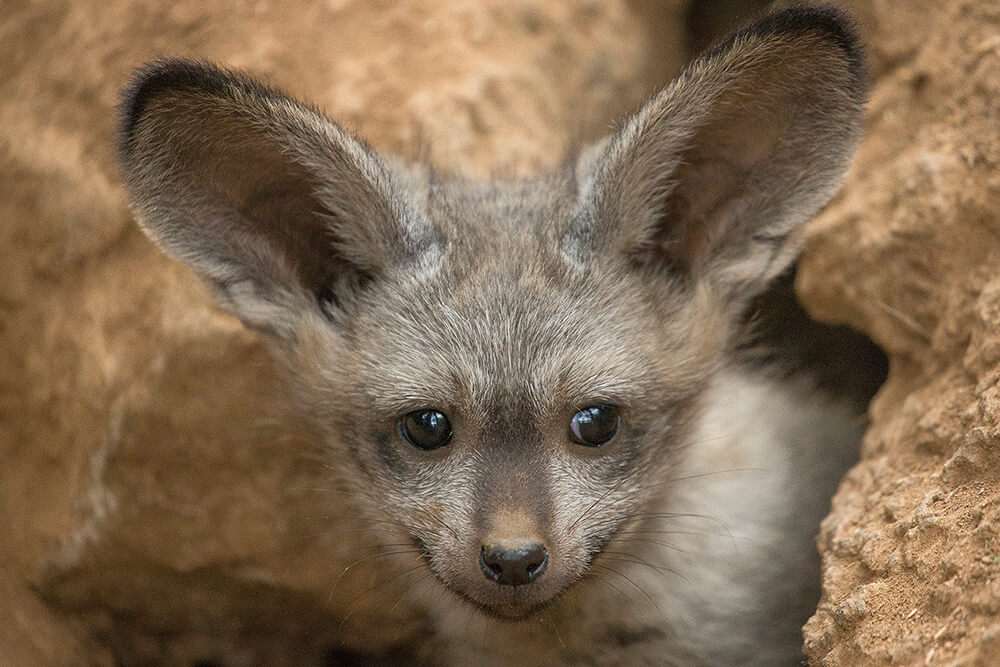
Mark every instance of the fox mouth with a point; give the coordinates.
(509, 610)
(509, 603)
(506, 612)
(507, 606)
(516, 604)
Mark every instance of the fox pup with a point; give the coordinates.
(534, 380)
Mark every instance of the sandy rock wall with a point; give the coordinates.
(157, 499)
(910, 254)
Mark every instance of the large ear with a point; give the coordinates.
(267, 198)
(714, 176)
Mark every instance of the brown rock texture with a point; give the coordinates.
(910, 254)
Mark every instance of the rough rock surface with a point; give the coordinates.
(158, 503)
(910, 254)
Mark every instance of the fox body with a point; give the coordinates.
(533, 382)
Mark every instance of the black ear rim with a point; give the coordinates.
(171, 74)
(201, 76)
(828, 20)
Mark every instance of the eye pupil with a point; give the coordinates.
(425, 429)
(595, 425)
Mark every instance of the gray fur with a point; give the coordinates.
(510, 305)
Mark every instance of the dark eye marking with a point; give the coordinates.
(425, 429)
(596, 425)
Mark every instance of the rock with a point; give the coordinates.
(909, 253)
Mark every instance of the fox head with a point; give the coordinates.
(504, 372)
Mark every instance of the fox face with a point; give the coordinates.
(506, 374)
(507, 404)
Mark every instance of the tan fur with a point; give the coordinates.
(510, 306)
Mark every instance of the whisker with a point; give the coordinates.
(658, 568)
(355, 604)
(366, 521)
(483, 639)
(665, 516)
(646, 540)
(367, 558)
(468, 621)
(700, 475)
(412, 589)
(323, 489)
(704, 440)
(331, 531)
(657, 516)
(385, 553)
(343, 552)
(441, 521)
(444, 591)
(415, 584)
(629, 580)
(631, 558)
(665, 532)
(555, 629)
(597, 502)
(614, 588)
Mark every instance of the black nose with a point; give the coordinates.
(513, 565)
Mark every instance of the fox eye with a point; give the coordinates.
(425, 429)
(595, 426)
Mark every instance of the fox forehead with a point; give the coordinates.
(503, 333)
(467, 332)
(500, 313)
(498, 221)
(496, 301)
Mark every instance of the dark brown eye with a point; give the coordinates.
(425, 429)
(595, 426)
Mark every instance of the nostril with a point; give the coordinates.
(513, 565)
(488, 562)
(535, 561)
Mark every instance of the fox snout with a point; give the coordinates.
(513, 553)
